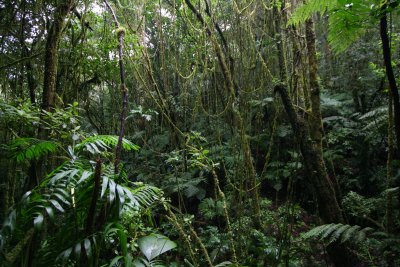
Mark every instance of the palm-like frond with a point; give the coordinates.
(138, 197)
(63, 197)
(71, 172)
(100, 143)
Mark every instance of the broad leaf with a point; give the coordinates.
(38, 221)
(154, 245)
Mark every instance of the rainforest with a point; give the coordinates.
(200, 133)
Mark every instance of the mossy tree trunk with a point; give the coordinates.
(61, 12)
(235, 114)
(315, 118)
(328, 206)
(51, 53)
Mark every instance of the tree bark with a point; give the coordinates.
(236, 115)
(316, 117)
(315, 120)
(51, 56)
(31, 81)
(387, 57)
(124, 89)
(279, 44)
(389, 178)
(328, 206)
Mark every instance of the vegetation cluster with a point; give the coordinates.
(197, 133)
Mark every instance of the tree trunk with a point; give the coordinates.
(51, 60)
(124, 89)
(279, 44)
(387, 57)
(315, 120)
(31, 81)
(316, 117)
(328, 205)
(235, 114)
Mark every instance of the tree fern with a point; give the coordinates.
(379, 111)
(347, 19)
(329, 230)
(305, 11)
(375, 119)
(338, 232)
(344, 29)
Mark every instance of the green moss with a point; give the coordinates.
(120, 30)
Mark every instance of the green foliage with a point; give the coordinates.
(359, 206)
(96, 144)
(347, 19)
(305, 11)
(338, 232)
(172, 69)
(65, 193)
(210, 208)
(141, 112)
(186, 183)
(24, 112)
(375, 121)
(154, 245)
(22, 149)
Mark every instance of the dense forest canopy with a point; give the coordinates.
(199, 133)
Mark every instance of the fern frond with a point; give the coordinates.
(347, 24)
(362, 235)
(344, 29)
(377, 123)
(352, 232)
(100, 143)
(375, 119)
(335, 232)
(305, 11)
(338, 233)
(31, 149)
(346, 20)
(7, 111)
(327, 233)
(375, 112)
(317, 231)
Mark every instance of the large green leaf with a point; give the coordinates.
(154, 245)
